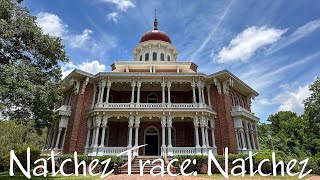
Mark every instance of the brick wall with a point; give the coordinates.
(224, 128)
(76, 130)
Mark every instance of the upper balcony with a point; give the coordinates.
(238, 111)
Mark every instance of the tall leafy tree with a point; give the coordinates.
(312, 106)
(30, 73)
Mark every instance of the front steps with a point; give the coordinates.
(135, 166)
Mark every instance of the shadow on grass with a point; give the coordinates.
(19, 175)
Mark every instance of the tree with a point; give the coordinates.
(312, 107)
(29, 66)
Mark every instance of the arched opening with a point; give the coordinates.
(154, 56)
(151, 138)
(152, 98)
(146, 58)
(162, 57)
(168, 58)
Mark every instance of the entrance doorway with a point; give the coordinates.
(151, 137)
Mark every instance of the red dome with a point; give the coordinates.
(155, 35)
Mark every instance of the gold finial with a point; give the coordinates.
(155, 23)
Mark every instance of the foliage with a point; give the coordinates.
(69, 167)
(22, 156)
(14, 136)
(30, 73)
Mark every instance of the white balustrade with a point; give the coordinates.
(113, 150)
(239, 109)
(184, 150)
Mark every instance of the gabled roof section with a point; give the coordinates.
(239, 85)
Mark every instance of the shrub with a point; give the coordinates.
(22, 156)
(69, 167)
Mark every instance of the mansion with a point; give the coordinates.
(154, 100)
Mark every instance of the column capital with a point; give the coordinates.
(203, 122)
(163, 122)
(169, 84)
(103, 82)
(163, 83)
(109, 83)
(137, 122)
(196, 121)
(97, 121)
(169, 121)
(133, 83)
(138, 83)
(131, 121)
(193, 84)
(105, 120)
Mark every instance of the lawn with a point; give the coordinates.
(18, 176)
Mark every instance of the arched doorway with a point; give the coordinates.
(151, 137)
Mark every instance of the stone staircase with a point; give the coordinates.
(135, 166)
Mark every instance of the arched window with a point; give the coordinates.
(162, 57)
(168, 58)
(152, 98)
(154, 56)
(140, 57)
(146, 57)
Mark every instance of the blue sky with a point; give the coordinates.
(273, 46)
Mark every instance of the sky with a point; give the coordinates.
(273, 46)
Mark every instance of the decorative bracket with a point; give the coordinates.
(76, 85)
(217, 84)
(226, 86)
(84, 85)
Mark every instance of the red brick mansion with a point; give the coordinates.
(154, 100)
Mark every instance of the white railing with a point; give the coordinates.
(116, 105)
(152, 105)
(184, 150)
(113, 150)
(47, 152)
(149, 105)
(183, 105)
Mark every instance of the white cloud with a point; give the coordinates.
(244, 45)
(113, 16)
(300, 33)
(88, 66)
(81, 39)
(292, 99)
(122, 5)
(51, 24)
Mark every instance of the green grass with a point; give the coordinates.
(19, 176)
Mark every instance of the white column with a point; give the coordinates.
(130, 125)
(209, 97)
(108, 90)
(103, 85)
(214, 147)
(104, 126)
(238, 138)
(169, 125)
(94, 95)
(248, 137)
(202, 93)
(96, 139)
(136, 142)
(93, 133)
(252, 137)
(58, 138)
(199, 91)
(54, 136)
(203, 125)
(163, 126)
(256, 130)
(63, 138)
(196, 133)
(163, 85)
(193, 85)
(242, 139)
(138, 91)
(89, 125)
(207, 134)
(169, 87)
(133, 85)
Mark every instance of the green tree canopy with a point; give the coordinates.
(312, 106)
(29, 66)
